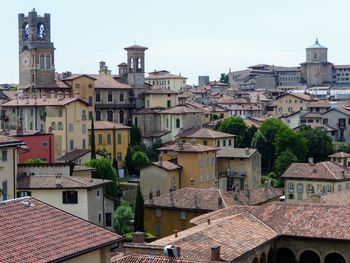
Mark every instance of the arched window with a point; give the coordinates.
(42, 61)
(121, 116)
(48, 61)
(139, 64)
(270, 256)
(177, 123)
(263, 258)
(25, 31)
(53, 125)
(98, 115)
(334, 258)
(309, 256)
(131, 64)
(41, 30)
(110, 116)
(60, 126)
(285, 255)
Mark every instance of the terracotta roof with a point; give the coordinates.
(340, 155)
(107, 125)
(207, 199)
(161, 91)
(163, 75)
(6, 140)
(298, 95)
(108, 82)
(336, 198)
(74, 155)
(235, 234)
(312, 115)
(319, 104)
(50, 182)
(187, 147)
(57, 84)
(78, 168)
(167, 165)
(231, 152)
(41, 102)
(33, 231)
(75, 76)
(137, 258)
(204, 133)
(181, 109)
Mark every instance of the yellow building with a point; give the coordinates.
(292, 102)
(160, 98)
(238, 168)
(208, 137)
(113, 137)
(65, 117)
(8, 163)
(198, 164)
(164, 79)
(82, 86)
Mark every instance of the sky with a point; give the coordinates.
(191, 37)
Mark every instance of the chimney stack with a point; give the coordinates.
(246, 151)
(138, 237)
(192, 182)
(175, 232)
(311, 160)
(215, 253)
(208, 221)
(220, 205)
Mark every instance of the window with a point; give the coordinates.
(90, 115)
(224, 143)
(110, 96)
(158, 212)
(218, 143)
(183, 215)
(90, 100)
(60, 113)
(158, 230)
(168, 103)
(99, 217)
(98, 96)
(4, 190)
(83, 128)
(119, 156)
(291, 187)
(98, 193)
(4, 155)
(71, 127)
(98, 115)
(110, 116)
(300, 188)
(53, 125)
(48, 61)
(99, 139)
(201, 163)
(119, 138)
(71, 145)
(42, 61)
(84, 144)
(60, 126)
(23, 194)
(339, 187)
(108, 219)
(177, 123)
(205, 142)
(70, 197)
(121, 97)
(229, 142)
(109, 139)
(90, 86)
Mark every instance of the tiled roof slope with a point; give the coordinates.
(187, 147)
(41, 233)
(6, 140)
(319, 171)
(49, 182)
(107, 125)
(336, 198)
(204, 133)
(167, 165)
(236, 235)
(135, 258)
(74, 155)
(340, 155)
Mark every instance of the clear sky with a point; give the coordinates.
(194, 37)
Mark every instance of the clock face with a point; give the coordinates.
(25, 61)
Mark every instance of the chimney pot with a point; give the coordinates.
(215, 253)
(208, 221)
(175, 232)
(138, 237)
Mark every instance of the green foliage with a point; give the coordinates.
(128, 161)
(135, 136)
(287, 139)
(152, 151)
(341, 147)
(139, 212)
(139, 160)
(123, 217)
(105, 170)
(103, 152)
(235, 125)
(148, 237)
(224, 78)
(14, 87)
(93, 143)
(319, 144)
(283, 161)
(35, 161)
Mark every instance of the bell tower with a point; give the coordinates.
(36, 51)
(136, 72)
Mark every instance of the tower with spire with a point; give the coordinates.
(316, 70)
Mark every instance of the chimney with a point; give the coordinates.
(138, 237)
(171, 198)
(208, 221)
(311, 160)
(175, 232)
(59, 180)
(52, 96)
(215, 253)
(220, 204)
(196, 200)
(151, 196)
(160, 159)
(44, 96)
(158, 192)
(192, 182)
(246, 151)
(178, 251)
(67, 95)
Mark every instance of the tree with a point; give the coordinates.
(128, 161)
(105, 170)
(287, 139)
(139, 212)
(93, 145)
(123, 217)
(152, 152)
(103, 152)
(35, 161)
(341, 147)
(236, 126)
(135, 136)
(224, 78)
(319, 144)
(248, 136)
(283, 161)
(139, 160)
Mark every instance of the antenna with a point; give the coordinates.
(33, 4)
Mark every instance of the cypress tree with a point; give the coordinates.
(139, 212)
(93, 145)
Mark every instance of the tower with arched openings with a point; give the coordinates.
(36, 51)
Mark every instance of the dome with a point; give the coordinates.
(317, 45)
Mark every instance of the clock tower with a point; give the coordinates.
(36, 51)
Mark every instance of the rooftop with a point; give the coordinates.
(167, 165)
(33, 231)
(187, 147)
(231, 152)
(181, 109)
(316, 45)
(340, 155)
(107, 125)
(74, 155)
(7, 141)
(41, 102)
(204, 133)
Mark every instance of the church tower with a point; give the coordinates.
(136, 73)
(36, 51)
(316, 70)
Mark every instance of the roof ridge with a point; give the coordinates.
(222, 198)
(324, 163)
